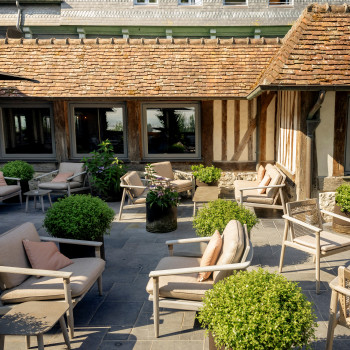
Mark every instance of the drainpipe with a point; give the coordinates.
(19, 16)
(311, 124)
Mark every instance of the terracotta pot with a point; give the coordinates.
(338, 224)
(160, 220)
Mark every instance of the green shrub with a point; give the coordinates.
(216, 214)
(79, 216)
(342, 197)
(18, 168)
(207, 174)
(258, 310)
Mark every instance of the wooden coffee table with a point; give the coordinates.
(34, 318)
(205, 194)
(40, 194)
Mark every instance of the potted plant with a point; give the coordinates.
(105, 171)
(216, 214)
(342, 208)
(257, 310)
(21, 170)
(206, 176)
(82, 217)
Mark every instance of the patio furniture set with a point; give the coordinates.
(174, 283)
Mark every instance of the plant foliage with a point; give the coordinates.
(216, 215)
(207, 174)
(342, 197)
(79, 216)
(18, 168)
(258, 310)
(105, 169)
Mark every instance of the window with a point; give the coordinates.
(190, 2)
(280, 2)
(94, 124)
(235, 2)
(145, 2)
(171, 131)
(27, 131)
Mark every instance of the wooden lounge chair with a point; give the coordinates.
(9, 191)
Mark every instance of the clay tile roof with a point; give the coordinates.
(316, 51)
(159, 68)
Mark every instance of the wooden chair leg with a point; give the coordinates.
(2, 342)
(285, 234)
(122, 204)
(156, 306)
(40, 338)
(99, 284)
(318, 262)
(28, 341)
(332, 320)
(64, 332)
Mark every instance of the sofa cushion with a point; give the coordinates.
(12, 253)
(132, 178)
(45, 255)
(233, 243)
(2, 179)
(210, 255)
(85, 273)
(251, 196)
(264, 182)
(276, 179)
(261, 173)
(62, 177)
(164, 169)
(59, 186)
(183, 286)
(75, 168)
(6, 190)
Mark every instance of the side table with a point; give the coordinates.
(34, 318)
(205, 194)
(40, 194)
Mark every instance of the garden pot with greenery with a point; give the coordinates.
(206, 176)
(216, 215)
(257, 310)
(105, 171)
(161, 209)
(21, 170)
(342, 208)
(81, 217)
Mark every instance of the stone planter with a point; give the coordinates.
(160, 220)
(338, 224)
(200, 183)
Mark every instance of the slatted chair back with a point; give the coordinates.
(307, 211)
(344, 300)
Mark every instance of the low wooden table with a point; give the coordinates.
(205, 194)
(40, 194)
(34, 318)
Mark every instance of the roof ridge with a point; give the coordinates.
(321, 8)
(142, 41)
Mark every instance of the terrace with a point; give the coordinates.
(122, 317)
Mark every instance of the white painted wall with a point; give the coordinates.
(325, 136)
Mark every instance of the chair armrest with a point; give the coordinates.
(35, 272)
(258, 187)
(71, 241)
(302, 223)
(188, 270)
(335, 215)
(131, 186)
(188, 240)
(12, 178)
(50, 173)
(76, 175)
(342, 290)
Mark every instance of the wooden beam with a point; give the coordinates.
(262, 128)
(235, 166)
(207, 126)
(237, 121)
(134, 131)
(224, 131)
(250, 142)
(340, 126)
(62, 141)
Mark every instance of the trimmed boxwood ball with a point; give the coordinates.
(216, 215)
(342, 197)
(79, 216)
(258, 310)
(18, 168)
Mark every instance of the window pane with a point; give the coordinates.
(171, 130)
(27, 130)
(94, 125)
(235, 2)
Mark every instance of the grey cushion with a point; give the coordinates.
(59, 186)
(72, 168)
(5, 190)
(12, 253)
(85, 273)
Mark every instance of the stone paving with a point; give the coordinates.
(122, 317)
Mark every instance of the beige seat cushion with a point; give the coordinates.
(182, 185)
(233, 244)
(6, 190)
(75, 168)
(132, 178)
(59, 186)
(328, 241)
(85, 273)
(251, 196)
(180, 286)
(12, 253)
(276, 179)
(164, 169)
(141, 199)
